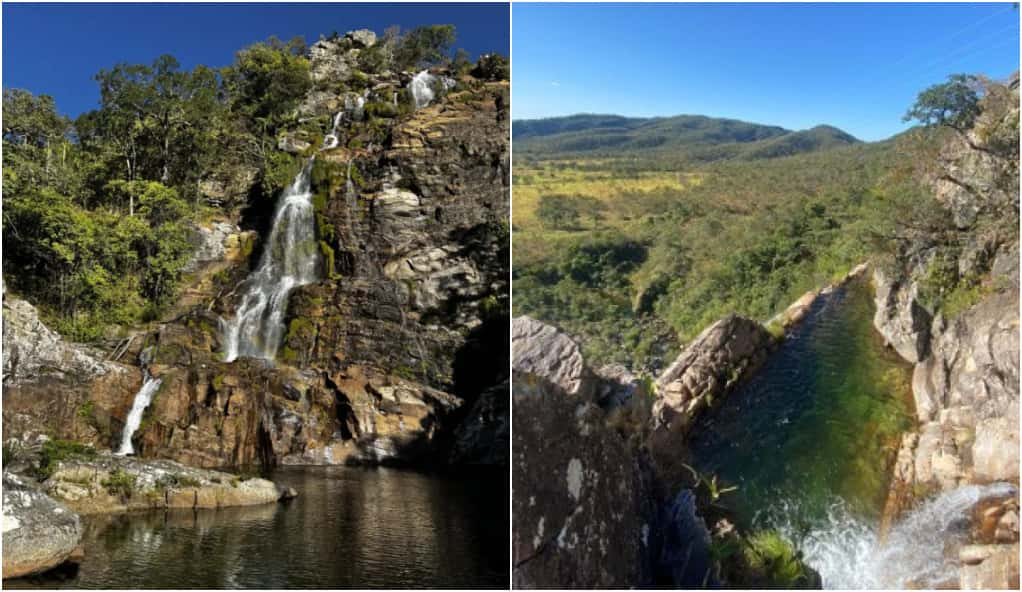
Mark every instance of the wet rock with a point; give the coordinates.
(685, 551)
(989, 567)
(38, 533)
(544, 351)
(288, 493)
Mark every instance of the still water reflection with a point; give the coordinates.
(349, 527)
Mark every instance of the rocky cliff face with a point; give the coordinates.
(966, 377)
(394, 355)
(598, 498)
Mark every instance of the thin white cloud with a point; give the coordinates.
(554, 83)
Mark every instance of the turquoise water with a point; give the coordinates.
(818, 425)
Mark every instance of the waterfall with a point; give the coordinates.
(142, 399)
(290, 259)
(421, 89)
(331, 141)
(849, 553)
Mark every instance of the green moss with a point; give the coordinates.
(774, 561)
(86, 410)
(55, 451)
(405, 372)
(357, 178)
(490, 306)
(119, 483)
(961, 299)
(328, 260)
(775, 328)
(218, 382)
(379, 109)
(288, 355)
(247, 246)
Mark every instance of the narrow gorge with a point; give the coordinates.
(864, 437)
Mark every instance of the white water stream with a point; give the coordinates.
(290, 259)
(920, 550)
(142, 400)
(422, 88)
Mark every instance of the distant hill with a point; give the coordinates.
(696, 137)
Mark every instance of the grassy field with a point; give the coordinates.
(635, 257)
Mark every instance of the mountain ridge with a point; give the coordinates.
(701, 137)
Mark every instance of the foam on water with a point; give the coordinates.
(919, 551)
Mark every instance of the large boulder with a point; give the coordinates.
(966, 394)
(543, 350)
(900, 318)
(32, 351)
(38, 533)
(583, 502)
(107, 483)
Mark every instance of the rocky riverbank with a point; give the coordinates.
(48, 484)
(966, 376)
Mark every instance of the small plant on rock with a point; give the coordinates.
(120, 483)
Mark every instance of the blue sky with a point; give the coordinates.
(56, 49)
(855, 66)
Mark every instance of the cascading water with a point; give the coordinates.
(138, 407)
(331, 140)
(920, 550)
(421, 89)
(809, 441)
(422, 85)
(290, 259)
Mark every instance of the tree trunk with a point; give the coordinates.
(165, 175)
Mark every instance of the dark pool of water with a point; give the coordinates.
(819, 423)
(349, 527)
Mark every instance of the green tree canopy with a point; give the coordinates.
(267, 80)
(424, 46)
(953, 104)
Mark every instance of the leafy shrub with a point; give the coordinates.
(492, 66)
(120, 483)
(55, 451)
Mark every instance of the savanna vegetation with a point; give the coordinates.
(99, 211)
(635, 250)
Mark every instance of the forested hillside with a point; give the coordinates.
(99, 211)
